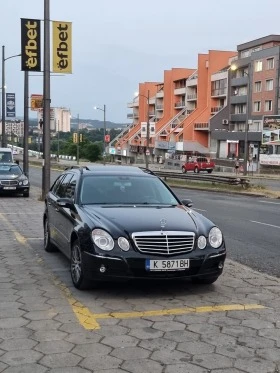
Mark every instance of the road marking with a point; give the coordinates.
(194, 208)
(273, 203)
(269, 225)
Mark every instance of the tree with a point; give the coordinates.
(92, 152)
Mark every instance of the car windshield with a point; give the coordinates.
(116, 189)
(5, 156)
(10, 170)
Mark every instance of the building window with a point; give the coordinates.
(258, 65)
(268, 105)
(245, 54)
(240, 109)
(270, 63)
(257, 106)
(269, 85)
(258, 86)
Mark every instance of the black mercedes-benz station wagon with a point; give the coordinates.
(123, 222)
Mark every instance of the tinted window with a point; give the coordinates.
(70, 190)
(56, 184)
(10, 170)
(61, 190)
(6, 157)
(126, 190)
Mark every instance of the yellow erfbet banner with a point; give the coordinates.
(62, 47)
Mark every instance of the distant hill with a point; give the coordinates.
(90, 122)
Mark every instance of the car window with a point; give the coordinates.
(117, 189)
(10, 170)
(56, 184)
(61, 190)
(6, 157)
(71, 187)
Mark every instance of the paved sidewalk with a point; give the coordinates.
(230, 327)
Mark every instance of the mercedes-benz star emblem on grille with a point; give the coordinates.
(163, 223)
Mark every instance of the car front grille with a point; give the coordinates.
(164, 242)
(9, 182)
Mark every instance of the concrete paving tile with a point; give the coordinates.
(18, 344)
(157, 344)
(169, 326)
(142, 365)
(212, 361)
(65, 318)
(72, 370)
(135, 323)
(223, 321)
(15, 333)
(192, 319)
(61, 360)
(52, 347)
(40, 315)
(239, 331)
(2, 366)
(121, 341)
(253, 365)
(130, 353)
(270, 354)
(49, 335)
(90, 349)
(185, 368)
(44, 325)
(101, 362)
(170, 356)
(84, 337)
(195, 347)
(7, 312)
(181, 336)
(203, 328)
(236, 352)
(219, 339)
(256, 342)
(109, 331)
(27, 368)
(146, 333)
(257, 324)
(73, 327)
(12, 322)
(9, 305)
(30, 307)
(8, 298)
(21, 357)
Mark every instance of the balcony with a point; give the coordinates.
(237, 82)
(238, 117)
(219, 92)
(192, 97)
(159, 107)
(160, 94)
(216, 109)
(131, 105)
(152, 113)
(180, 104)
(192, 82)
(204, 126)
(130, 116)
(238, 99)
(180, 91)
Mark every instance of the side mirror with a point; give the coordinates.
(65, 202)
(187, 202)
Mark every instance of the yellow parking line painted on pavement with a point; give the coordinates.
(178, 311)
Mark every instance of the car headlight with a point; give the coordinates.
(123, 243)
(201, 242)
(25, 182)
(215, 237)
(102, 239)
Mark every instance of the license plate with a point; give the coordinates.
(9, 188)
(167, 265)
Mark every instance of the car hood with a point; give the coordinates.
(9, 177)
(119, 220)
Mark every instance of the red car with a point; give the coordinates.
(198, 164)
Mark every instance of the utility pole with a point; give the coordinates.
(4, 143)
(26, 124)
(58, 140)
(78, 139)
(104, 128)
(46, 170)
(148, 131)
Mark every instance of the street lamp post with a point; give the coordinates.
(104, 130)
(148, 128)
(4, 142)
(245, 168)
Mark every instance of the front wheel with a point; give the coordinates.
(196, 170)
(77, 267)
(183, 170)
(209, 171)
(204, 281)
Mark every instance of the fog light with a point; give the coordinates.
(221, 265)
(102, 269)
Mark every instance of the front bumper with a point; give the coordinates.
(98, 267)
(14, 189)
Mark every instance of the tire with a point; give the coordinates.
(26, 194)
(183, 170)
(48, 246)
(77, 268)
(204, 281)
(209, 171)
(196, 170)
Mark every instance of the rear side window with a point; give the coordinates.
(61, 190)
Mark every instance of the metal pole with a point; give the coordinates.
(78, 140)
(247, 124)
(57, 140)
(104, 139)
(4, 144)
(26, 125)
(148, 130)
(47, 101)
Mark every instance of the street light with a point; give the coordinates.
(104, 130)
(148, 127)
(4, 143)
(234, 68)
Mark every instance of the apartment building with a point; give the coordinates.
(253, 93)
(60, 118)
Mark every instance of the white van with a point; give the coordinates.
(6, 155)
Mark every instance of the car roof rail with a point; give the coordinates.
(81, 168)
(147, 170)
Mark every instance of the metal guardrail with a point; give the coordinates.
(229, 180)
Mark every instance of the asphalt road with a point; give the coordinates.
(251, 225)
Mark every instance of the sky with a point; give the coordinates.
(118, 44)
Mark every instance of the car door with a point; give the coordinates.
(68, 217)
(51, 209)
